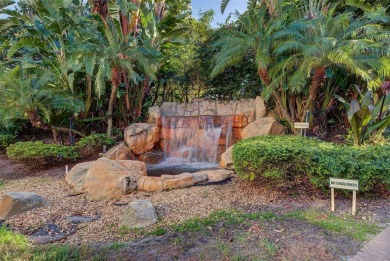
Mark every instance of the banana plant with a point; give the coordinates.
(369, 117)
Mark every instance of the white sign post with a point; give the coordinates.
(302, 126)
(349, 184)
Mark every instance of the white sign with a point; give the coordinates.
(351, 184)
(301, 125)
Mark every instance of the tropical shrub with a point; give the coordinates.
(37, 153)
(368, 118)
(92, 144)
(290, 159)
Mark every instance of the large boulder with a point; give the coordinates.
(263, 126)
(119, 152)
(111, 179)
(141, 137)
(227, 159)
(76, 176)
(14, 203)
(139, 214)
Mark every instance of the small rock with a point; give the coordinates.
(14, 203)
(139, 214)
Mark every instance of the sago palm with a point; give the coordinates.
(310, 47)
(253, 34)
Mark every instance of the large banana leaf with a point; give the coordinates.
(359, 120)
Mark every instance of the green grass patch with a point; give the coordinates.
(346, 226)
(228, 217)
(158, 232)
(11, 241)
(15, 246)
(269, 246)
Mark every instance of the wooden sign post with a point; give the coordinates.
(349, 184)
(302, 126)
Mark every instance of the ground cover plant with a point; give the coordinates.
(292, 159)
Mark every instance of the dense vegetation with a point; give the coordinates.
(99, 65)
(291, 160)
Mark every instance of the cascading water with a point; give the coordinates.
(198, 139)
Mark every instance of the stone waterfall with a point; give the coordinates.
(190, 139)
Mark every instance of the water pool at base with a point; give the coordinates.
(175, 168)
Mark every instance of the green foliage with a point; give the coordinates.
(6, 140)
(346, 225)
(92, 144)
(95, 140)
(292, 159)
(36, 153)
(368, 118)
(158, 232)
(10, 240)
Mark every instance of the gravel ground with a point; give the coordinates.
(172, 206)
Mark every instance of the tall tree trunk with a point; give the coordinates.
(156, 93)
(316, 84)
(89, 95)
(144, 89)
(263, 73)
(127, 87)
(110, 110)
(115, 80)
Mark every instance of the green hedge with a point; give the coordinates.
(35, 153)
(6, 140)
(291, 158)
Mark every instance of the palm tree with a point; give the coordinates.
(123, 56)
(253, 34)
(311, 47)
(29, 93)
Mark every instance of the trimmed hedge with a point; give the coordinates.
(35, 153)
(290, 158)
